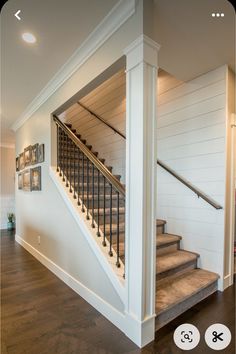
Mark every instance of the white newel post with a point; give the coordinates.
(141, 79)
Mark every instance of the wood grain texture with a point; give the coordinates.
(40, 314)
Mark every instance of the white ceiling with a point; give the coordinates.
(192, 42)
(60, 27)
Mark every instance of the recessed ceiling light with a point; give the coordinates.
(28, 37)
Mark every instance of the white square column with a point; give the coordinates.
(140, 248)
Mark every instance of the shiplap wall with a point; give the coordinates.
(191, 136)
(108, 101)
(191, 131)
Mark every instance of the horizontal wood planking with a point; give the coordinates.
(109, 101)
(166, 82)
(186, 88)
(191, 140)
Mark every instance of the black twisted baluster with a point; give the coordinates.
(87, 189)
(83, 210)
(118, 230)
(74, 149)
(60, 151)
(110, 251)
(64, 156)
(70, 165)
(67, 162)
(78, 179)
(104, 212)
(57, 147)
(98, 176)
(93, 225)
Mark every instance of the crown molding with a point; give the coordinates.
(118, 15)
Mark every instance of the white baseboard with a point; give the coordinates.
(228, 280)
(108, 311)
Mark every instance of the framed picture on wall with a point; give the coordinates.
(26, 181)
(34, 154)
(41, 153)
(35, 178)
(17, 164)
(21, 161)
(27, 155)
(20, 180)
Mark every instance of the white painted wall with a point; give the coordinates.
(7, 196)
(45, 213)
(191, 130)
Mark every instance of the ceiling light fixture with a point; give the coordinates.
(29, 37)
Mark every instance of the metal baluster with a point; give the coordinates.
(110, 251)
(83, 210)
(87, 189)
(67, 162)
(70, 165)
(93, 225)
(74, 149)
(98, 175)
(104, 212)
(64, 156)
(118, 230)
(78, 179)
(60, 150)
(57, 148)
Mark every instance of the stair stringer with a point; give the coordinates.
(108, 263)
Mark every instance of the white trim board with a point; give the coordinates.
(118, 15)
(108, 311)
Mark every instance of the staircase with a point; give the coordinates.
(180, 283)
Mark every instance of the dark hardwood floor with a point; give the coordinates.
(41, 315)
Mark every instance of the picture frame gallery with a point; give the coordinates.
(29, 179)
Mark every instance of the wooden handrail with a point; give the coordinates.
(101, 119)
(199, 193)
(97, 163)
(196, 190)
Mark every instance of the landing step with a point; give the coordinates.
(174, 262)
(177, 294)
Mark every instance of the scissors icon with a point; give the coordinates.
(217, 336)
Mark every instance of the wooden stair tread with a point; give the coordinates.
(174, 291)
(114, 227)
(163, 240)
(107, 211)
(160, 222)
(173, 260)
(101, 196)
